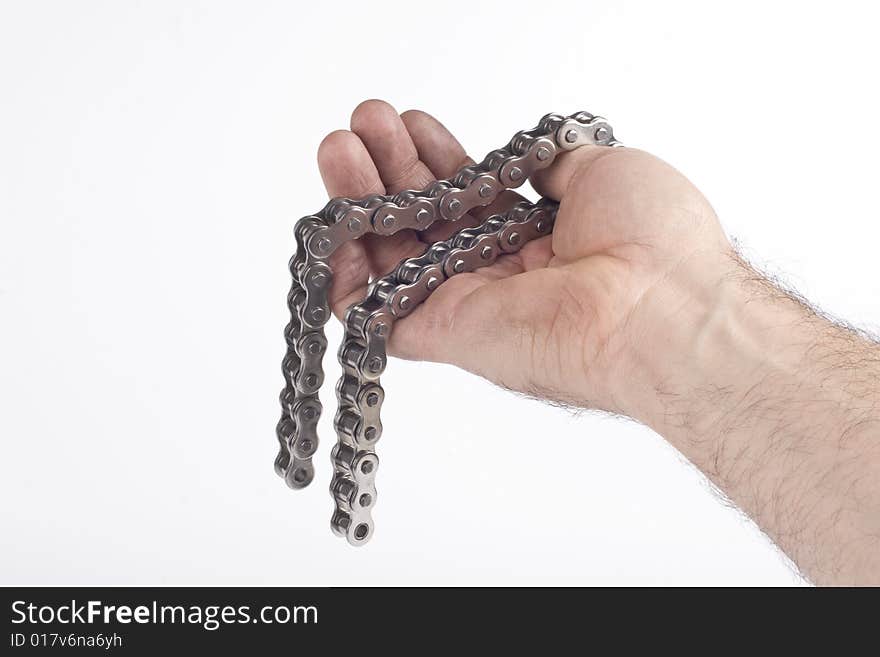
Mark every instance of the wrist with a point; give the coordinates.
(775, 404)
(713, 328)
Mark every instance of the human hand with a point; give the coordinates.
(560, 319)
(638, 304)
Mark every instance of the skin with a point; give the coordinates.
(638, 304)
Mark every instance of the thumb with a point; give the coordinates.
(554, 180)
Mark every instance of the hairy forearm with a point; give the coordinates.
(779, 407)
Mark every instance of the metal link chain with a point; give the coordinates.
(368, 324)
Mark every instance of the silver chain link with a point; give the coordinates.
(368, 324)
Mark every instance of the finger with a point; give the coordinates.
(396, 160)
(347, 170)
(554, 180)
(346, 167)
(444, 156)
(436, 146)
(390, 145)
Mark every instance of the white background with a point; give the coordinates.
(153, 159)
